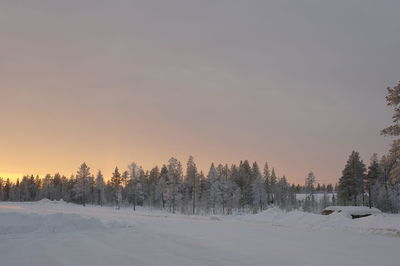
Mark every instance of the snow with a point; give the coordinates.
(353, 210)
(22, 223)
(379, 223)
(58, 233)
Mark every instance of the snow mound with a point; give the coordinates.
(277, 216)
(379, 223)
(353, 210)
(47, 201)
(17, 223)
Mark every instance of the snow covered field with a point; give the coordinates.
(57, 233)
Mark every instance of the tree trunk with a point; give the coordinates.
(369, 197)
(194, 195)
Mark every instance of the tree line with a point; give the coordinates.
(224, 190)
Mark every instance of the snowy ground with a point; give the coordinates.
(52, 233)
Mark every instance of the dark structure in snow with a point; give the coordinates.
(351, 211)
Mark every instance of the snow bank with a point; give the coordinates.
(47, 201)
(19, 223)
(387, 224)
(353, 210)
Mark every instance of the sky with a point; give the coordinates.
(299, 84)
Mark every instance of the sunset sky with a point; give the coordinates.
(299, 84)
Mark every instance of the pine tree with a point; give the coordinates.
(282, 193)
(273, 180)
(351, 182)
(134, 184)
(258, 188)
(175, 179)
(153, 179)
(191, 180)
(371, 177)
(7, 188)
(81, 186)
(393, 100)
(116, 183)
(225, 186)
(162, 187)
(100, 189)
(309, 184)
(1, 189)
(267, 180)
(215, 191)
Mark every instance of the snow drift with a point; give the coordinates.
(22, 223)
(378, 223)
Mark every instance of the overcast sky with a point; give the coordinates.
(299, 84)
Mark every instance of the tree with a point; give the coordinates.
(371, 177)
(309, 183)
(393, 100)
(100, 189)
(226, 187)
(258, 188)
(81, 186)
(162, 187)
(272, 182)
(57, 186)
(283, 193)
(191, 176)
(134, 186)
(152, 182)
(267, 180)
(392, 160)
(244, 180)
(116, 183)
(175, 178)
(215, 191)
(48, 187)
(351, 182)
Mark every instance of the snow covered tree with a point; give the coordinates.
(175, 181)
(272, 182)
(57, 186)
(244, 180)
(152, 182)
(81, 186)
(215, 192)
(116, 183)
(48, 187)
(393, 100)
(162, 187)
(351, 182)
(135, 193)
(258, 188)
(192, 181)
(372, 177)
(309, 183)
(283, 194)
(228, 189)
(1, 188)
(100, 186)
(267, 180)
